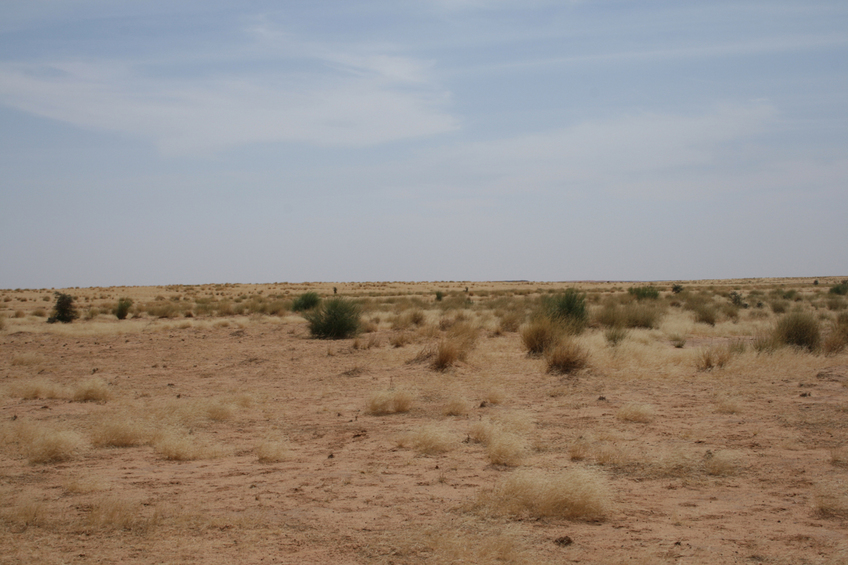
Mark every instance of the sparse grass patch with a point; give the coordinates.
(615, 336)
(456, 405)
(115, 513)
(39, 388)
(389, 402)
(42, 444)
(120, 432)
(572, 494)
(179, 447)
(641, 413)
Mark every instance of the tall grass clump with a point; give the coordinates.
(644, 292)
(306, 301)
(799, 329)
(64, 310)
(336, 318)
(539, 334)
(567, 309)
(837, 339)
(566, 357)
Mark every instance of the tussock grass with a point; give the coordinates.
(714, 357)
(30, 389)
(566, 357)
(429, 440)
(504, 440)
(721, 463)
(272, 451)
(572, 494)
(116, 431)
(186, 447)
(116, 513)
(456, 405)
(389, 402)
(539, 334)
(42, 444)
(92, 390)
(641, 413)
(831, 501)
(799, 329)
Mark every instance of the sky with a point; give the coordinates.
(250, 141)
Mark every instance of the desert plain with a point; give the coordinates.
(211, 427)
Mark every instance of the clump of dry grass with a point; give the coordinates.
(23, 514)
(115, 513)
(720, 463)
(831, 501)
(714, 357)
(271, 451)
(27, 359)
(429, 440)
(503, 441)
(30, 389)
(391, 401)
(572, 494)
(510, 321)
(539, 334)
(92, 390)
(641, 413)
(399, 339)
(120, 432)
(566, 357)
(42, 444)
(178, 447)
(456, 405)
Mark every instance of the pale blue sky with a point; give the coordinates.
(255, 141)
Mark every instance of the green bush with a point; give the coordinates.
(567, 309)
(799, 329)
(123, 308)
(644, 292)
(439, 295)
(306, 301)
(841, 289)
(677, 288)
(64, 311)
(336, 318)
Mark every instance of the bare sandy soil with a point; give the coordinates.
(247, 441)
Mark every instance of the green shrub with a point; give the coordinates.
(336, 318)
(64, 311)
(123, 308)
(567, 309)
(439, 295)
(799, 329)
(677, 288)
(306, 301)
(644, 292)
(841, 289)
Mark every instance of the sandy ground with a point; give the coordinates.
(346, 486)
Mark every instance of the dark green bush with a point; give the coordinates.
(567, 309)
(64, 311)
(644, 292)
(677, 288)
(336, 318)
(306, 301)
(800, 329)
(123, 308)
(439, 295)
(841, 289)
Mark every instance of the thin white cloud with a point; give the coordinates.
(343, 98)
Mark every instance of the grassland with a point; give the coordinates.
(210, 427)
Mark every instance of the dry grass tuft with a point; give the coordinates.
(42, 444)
(505, 448)
(92, 390)
(714, 357)
(456, 405)
(31, 389)
(113, 513)
(429, 440)
(118, 432)
(641, 413)
(539, 334)
(270, 451)
(721, 463)
(389, 402)
(831, 501)
(566, 357)
(572, 494)
(174, 447)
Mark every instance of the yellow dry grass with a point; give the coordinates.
(389, 402)
(641, 413)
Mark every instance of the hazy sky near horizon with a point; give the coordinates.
(255, 141)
